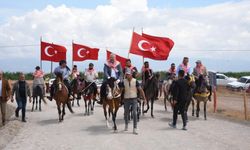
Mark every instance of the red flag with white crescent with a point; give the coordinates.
(82, 52)
(52, 52)
(157, 48)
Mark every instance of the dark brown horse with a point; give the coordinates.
(202, 93)
(89, 96)
(37, 97)
(151, 90)
(61, 97)
(77, 86)
(111, 100)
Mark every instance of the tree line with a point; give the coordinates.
(29, 76)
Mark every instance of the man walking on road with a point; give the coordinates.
(22, 91)
(4, 95)
(131, 86)
(180, 91)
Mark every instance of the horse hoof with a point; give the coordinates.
(152, 116)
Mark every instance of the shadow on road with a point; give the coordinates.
(48, 122)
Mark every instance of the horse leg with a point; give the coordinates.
(32, 109)
(73, 102)
(145, 111)
(205, 110)
(89, 105)
(85, 105)
(138, 111)
(105, 115)
(59, 112)
(69, 107)
(63, 111)
(114, 119)
(165, 103)
(152, 108)
(198, 108)
(40, 101)
(192, 107)
(36, 102)
(78, 104)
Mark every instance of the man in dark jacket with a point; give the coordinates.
(180, 90)
(21, 90)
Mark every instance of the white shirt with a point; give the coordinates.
(1, 87)
(90, 77)
(113, 73)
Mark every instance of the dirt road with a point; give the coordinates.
(42, 131)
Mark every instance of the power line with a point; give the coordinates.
(118, 48)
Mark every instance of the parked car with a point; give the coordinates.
(222, 79)
(242, 84)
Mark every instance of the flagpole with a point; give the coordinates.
(51, 68)
(72, 53)
(131, 40)
(41, 64)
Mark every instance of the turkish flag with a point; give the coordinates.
(152, 47)
(82, 52)
(122, 60)
(52, 52)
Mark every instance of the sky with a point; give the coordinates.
(214, 31)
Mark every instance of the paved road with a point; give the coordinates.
(42, 132)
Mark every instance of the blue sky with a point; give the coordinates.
(195, 25)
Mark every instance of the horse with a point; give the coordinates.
(37, 92)
(77, 86)
(61, 97)
(167, 92)
(89, 96)
(111, 100)
(151, 90)
(202, 93)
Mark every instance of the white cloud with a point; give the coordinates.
(221, 26)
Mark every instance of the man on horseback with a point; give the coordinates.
(147, 74)
(112, 69)
(171, 73)
(180, 99)
(38, 80)
(64, 70)
(201, 70)
(130, 87)
(184, 66)
(90, 76)
(75, 73)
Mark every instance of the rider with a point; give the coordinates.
(133, 69)
(200, 69)
(90, 76)
(38, 79)
(171, 71)
(147, 74)
(65, 71)
(184, 66)
(112, 69)
(75, 73)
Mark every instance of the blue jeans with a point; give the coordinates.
(21, 104)
(133, 103)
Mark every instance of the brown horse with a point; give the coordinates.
(61, 97)
(111, 101)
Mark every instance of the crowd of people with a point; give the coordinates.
(126, 78)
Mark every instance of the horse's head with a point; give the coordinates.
(191, 80)
(112, 89)
(59, 81)
(201, 84)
